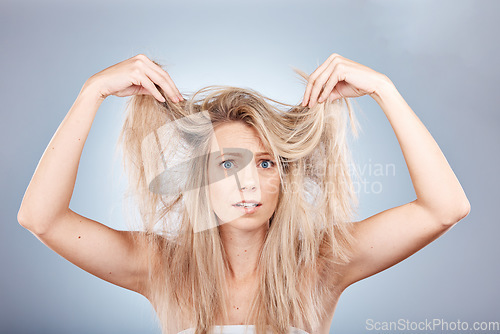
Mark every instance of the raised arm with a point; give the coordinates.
(394, 234)
(102, 251)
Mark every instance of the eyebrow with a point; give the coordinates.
(234, 154)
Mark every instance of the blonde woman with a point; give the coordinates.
(245, 203)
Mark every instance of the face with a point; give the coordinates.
(240, 170)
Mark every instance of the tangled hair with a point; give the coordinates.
(309, 232)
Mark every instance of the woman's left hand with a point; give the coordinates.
(340, 77)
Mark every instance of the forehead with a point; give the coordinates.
(237, 134)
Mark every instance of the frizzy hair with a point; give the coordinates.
(309, 233)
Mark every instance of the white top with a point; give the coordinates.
(240, 329)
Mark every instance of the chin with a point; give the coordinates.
(248, 224)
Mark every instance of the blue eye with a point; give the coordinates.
(224, 164)
(268, 163)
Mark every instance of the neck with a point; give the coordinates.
(242, 251)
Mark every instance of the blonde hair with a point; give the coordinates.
(309, 232)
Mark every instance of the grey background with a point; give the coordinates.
(442, 56)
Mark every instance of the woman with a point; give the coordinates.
(262, 198)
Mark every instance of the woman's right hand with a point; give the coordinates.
(135, 76)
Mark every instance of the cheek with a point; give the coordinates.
(270, 185)
(217, 205)
(216, 191)
(219, 192)
(215, 188)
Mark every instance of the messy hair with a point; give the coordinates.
(309, 233)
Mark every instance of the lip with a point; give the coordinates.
(248, 210)
(249, 201)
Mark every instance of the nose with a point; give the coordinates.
(247, 178)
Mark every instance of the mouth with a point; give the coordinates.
(247, 204)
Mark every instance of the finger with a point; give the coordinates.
(335, 95)
(170, 83)
(168, 80)
(148, 84)
(312, 79)
(314, 76)
(162, 79)
(319, 84)
(338, 74)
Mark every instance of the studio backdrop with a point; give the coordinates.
(441, 55)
